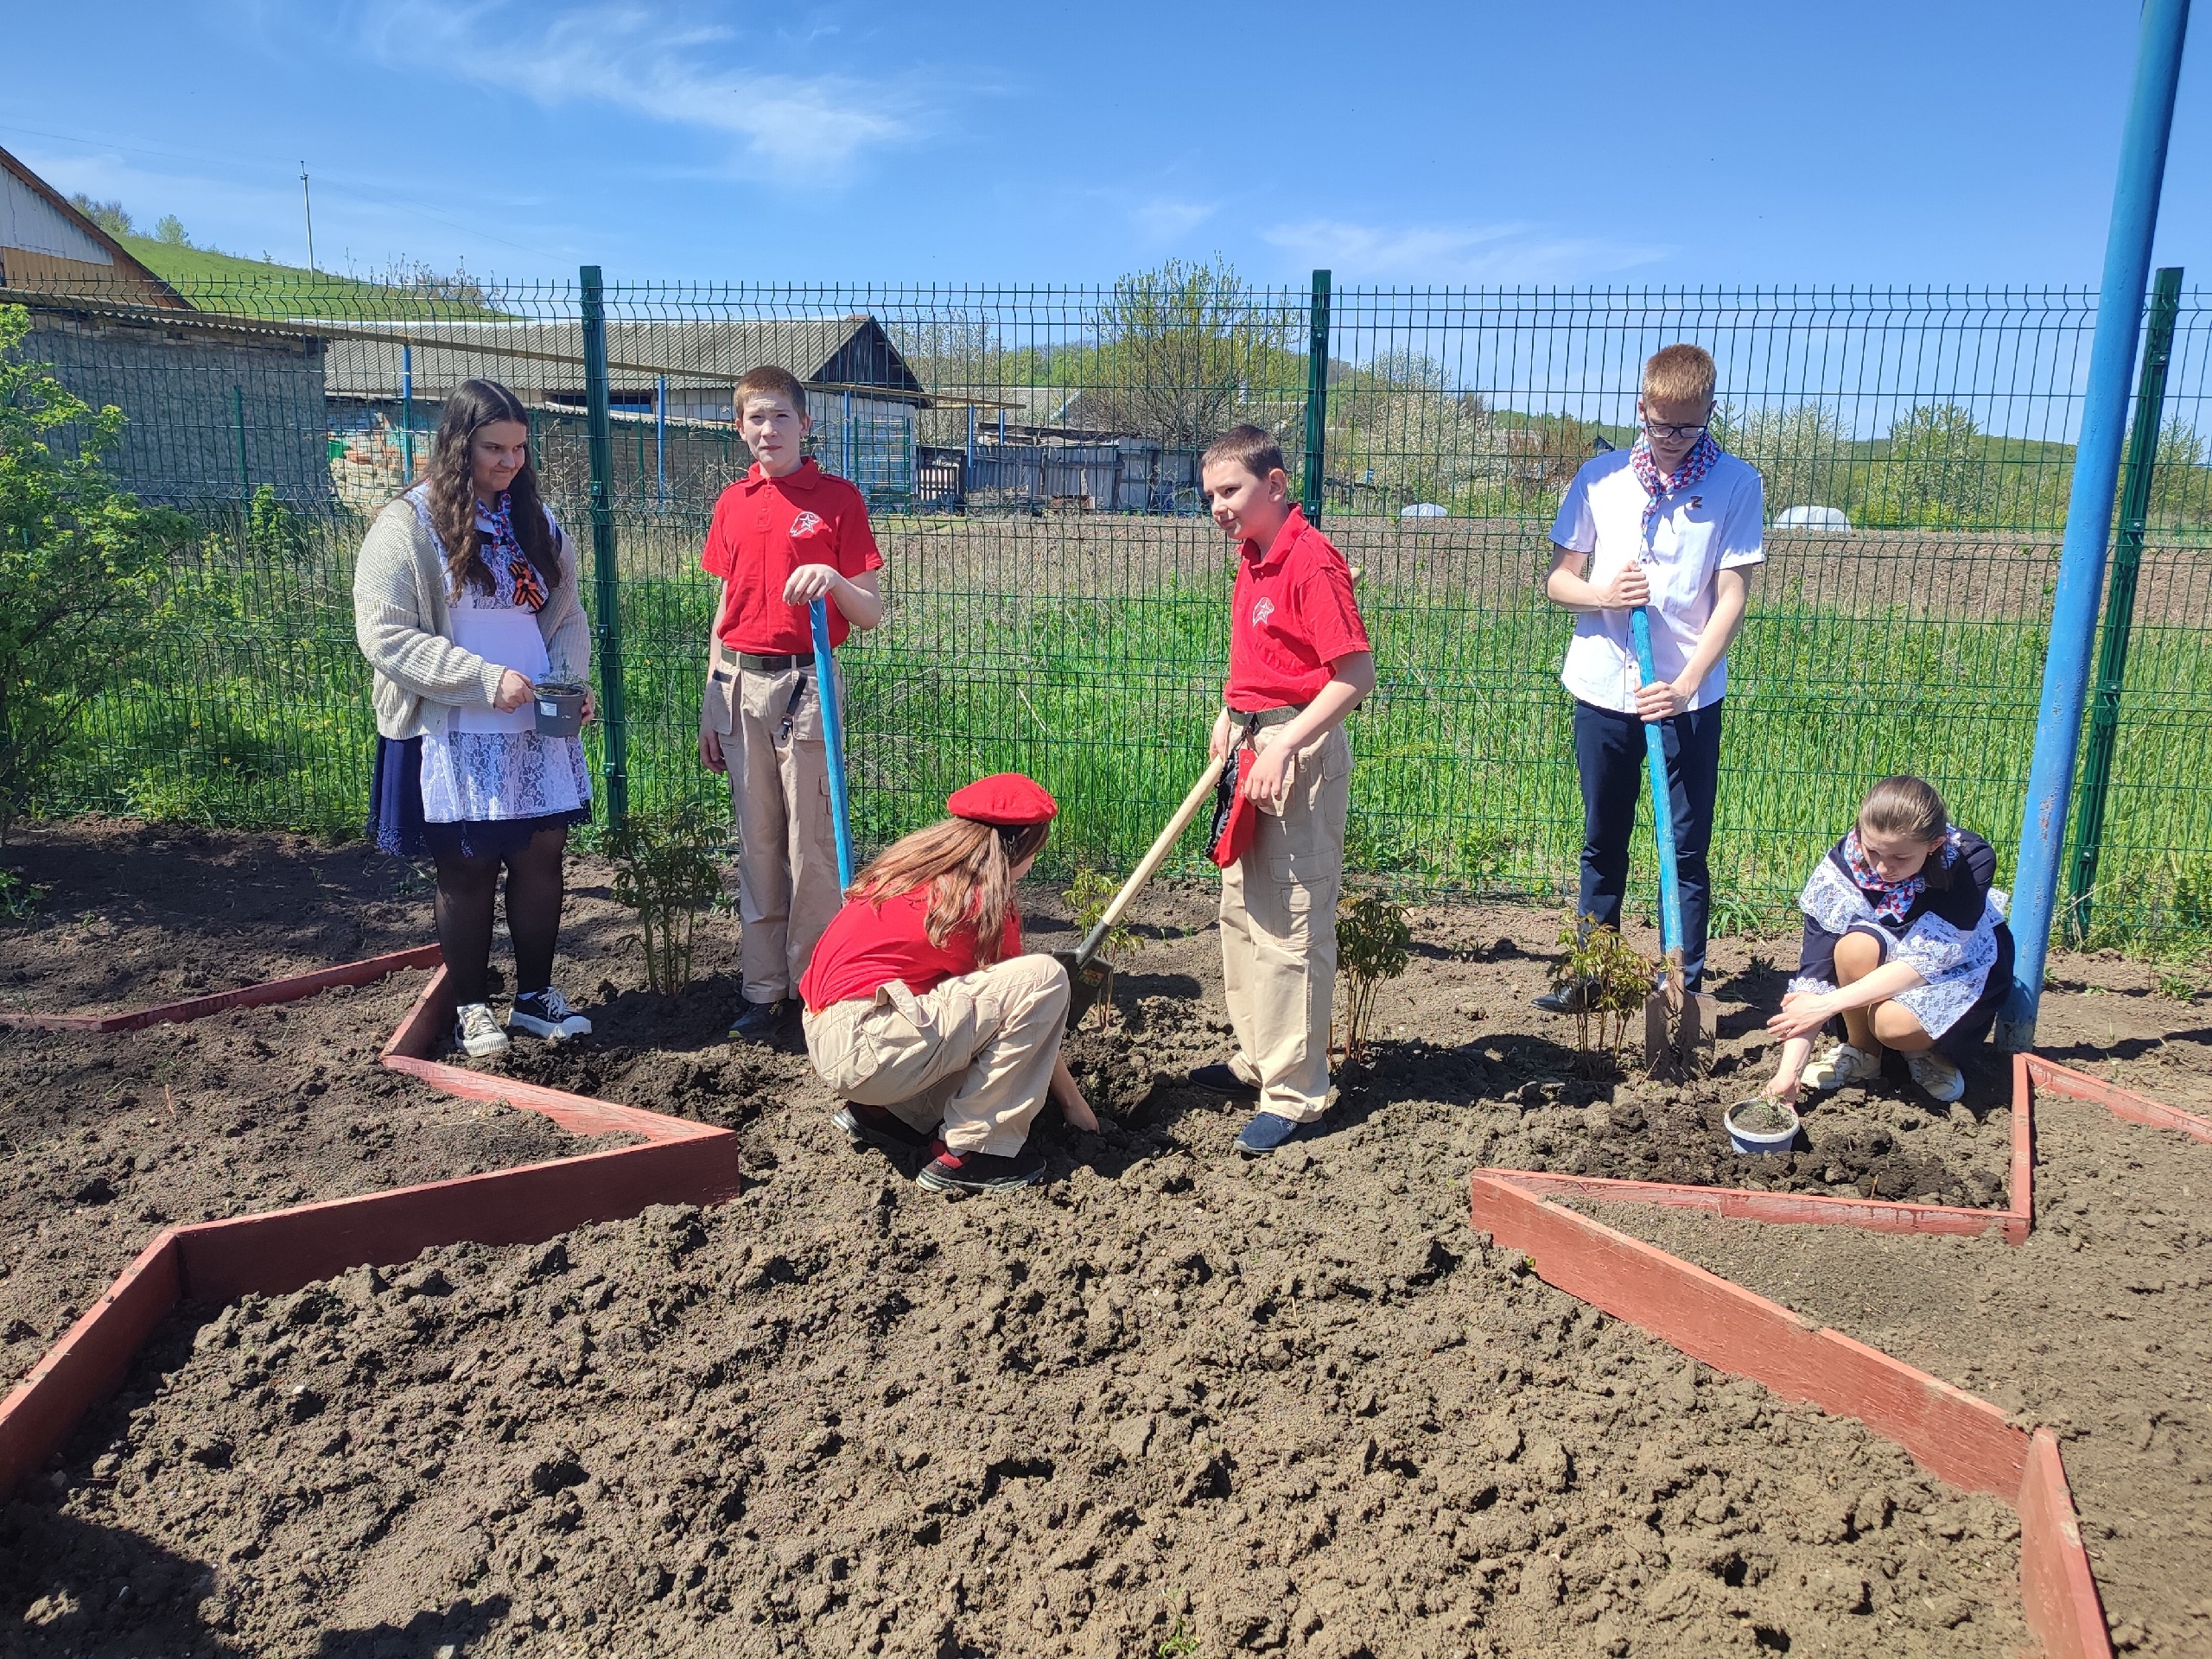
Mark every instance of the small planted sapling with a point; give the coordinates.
(668, 869)
(1617, 980)
(1373, 941)
(1087, 895)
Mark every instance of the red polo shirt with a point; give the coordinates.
(764, 529)
(865, 946)
(1293, 616)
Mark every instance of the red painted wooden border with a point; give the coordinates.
(1964, 1440)
(279, 1250)
(2121, 1102)
(246, 996)
(1873, 1215)
(2062, 1605)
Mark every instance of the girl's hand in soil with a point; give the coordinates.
(514, 691)
(1269, 782)
(1784, 1085)
(1802, 1013)
(1073, 1106)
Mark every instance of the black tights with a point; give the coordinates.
(465, 889)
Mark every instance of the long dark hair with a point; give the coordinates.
(471, 406)
(970, 869)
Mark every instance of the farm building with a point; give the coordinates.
(218, 406)
(667, 381)
(47, 246)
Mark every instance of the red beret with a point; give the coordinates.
(1006, 798)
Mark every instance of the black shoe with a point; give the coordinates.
(979, 1172)
(1568, 999)
(1221, 1078)
(758, 1021)
(876, 1124)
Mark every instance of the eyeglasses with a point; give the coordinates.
(1655, 429)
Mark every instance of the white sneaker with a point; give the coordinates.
(1937, 1077)
(476, 1031)
(546, 1013)
(1842, 1065)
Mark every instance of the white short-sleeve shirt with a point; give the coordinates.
(1716, 526)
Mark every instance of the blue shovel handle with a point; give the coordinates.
(833, 731)
(1662, 804)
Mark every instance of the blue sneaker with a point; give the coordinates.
(1264, 1134)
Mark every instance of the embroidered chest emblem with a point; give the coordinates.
(1262, 612)
(805, 524)
(1696, 501)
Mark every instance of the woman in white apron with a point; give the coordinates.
(464, 600)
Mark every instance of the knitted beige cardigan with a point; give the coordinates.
(402, 623)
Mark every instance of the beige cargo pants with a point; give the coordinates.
(975, 1055)
(1279, 932)
(787, 891)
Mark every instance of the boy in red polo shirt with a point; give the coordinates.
(783, 536)
(1299, 662)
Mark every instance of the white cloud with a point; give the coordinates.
(1165, 217)
(624, 55)
(1470, 253)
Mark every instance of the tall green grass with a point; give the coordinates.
(255, 713)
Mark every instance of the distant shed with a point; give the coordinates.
(861, 391)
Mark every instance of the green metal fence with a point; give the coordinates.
(1057, 597)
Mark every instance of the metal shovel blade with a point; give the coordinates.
(1087, 983)
(1681, 1032)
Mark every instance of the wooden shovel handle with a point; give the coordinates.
(1151, 860)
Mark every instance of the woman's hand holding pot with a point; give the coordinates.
(514, 691)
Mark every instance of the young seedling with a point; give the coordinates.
(1372, 938)
(1088, 896)
(668, 869)
(1618, 980)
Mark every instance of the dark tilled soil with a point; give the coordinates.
(105, 1139)
(134, 914)
(782, 1413)
(1292, 1407)
(2101, 1325)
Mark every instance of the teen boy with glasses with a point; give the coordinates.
(1673, 524)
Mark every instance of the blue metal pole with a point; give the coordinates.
(660, 437)
(833, 733)
(406, 413)
(2089, 514)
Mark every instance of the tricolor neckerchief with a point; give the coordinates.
(1657, 486)
(1891, 899)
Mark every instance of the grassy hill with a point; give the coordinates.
(260, 287)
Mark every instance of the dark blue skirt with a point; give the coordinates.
(396, 824)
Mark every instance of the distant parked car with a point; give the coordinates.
(1812, 518)
(1424, 509)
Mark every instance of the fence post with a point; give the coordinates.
(245, 472)
(2088, 513)
(2119, 598)
(660, 440)
(406, 413)
(1317, 396)
(612, 709)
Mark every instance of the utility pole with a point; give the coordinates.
(307, 200)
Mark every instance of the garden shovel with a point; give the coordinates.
(833, 738)
(1678, 1026)
(1087, 982)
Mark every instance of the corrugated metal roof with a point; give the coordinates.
(829, 351)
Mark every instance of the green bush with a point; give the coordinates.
(81, 567)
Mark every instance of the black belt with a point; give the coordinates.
(767, 664)
(1251, 719)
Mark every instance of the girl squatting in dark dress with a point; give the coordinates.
(464, 597)
(1905, 941)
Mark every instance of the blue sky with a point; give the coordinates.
(1420, 144)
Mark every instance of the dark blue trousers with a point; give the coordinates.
(1609, 753)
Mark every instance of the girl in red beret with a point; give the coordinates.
(922, 1013)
